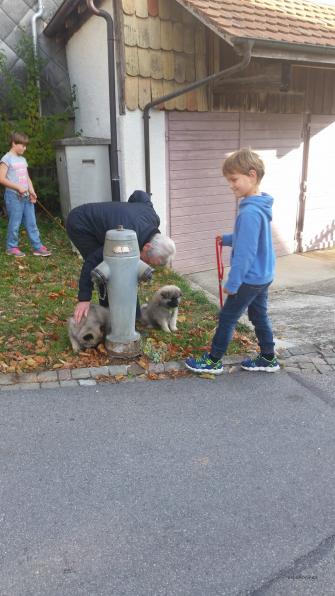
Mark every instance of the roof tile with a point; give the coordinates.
(288, 21)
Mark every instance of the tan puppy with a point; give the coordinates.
(91, 330)
(162, 310)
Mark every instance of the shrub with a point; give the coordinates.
(19, 110)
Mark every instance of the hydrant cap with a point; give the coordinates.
(121, 243)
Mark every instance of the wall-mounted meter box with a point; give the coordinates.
(83, 171)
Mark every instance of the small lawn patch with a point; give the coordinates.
(37, 295)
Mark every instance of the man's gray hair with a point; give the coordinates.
(162, 247)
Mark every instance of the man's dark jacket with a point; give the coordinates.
(87, 226)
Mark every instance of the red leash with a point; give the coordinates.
(220, 267)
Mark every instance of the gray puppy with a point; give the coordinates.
(162, 310)
(91, 330)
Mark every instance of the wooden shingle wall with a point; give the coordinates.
(165, 49)
(310, 90)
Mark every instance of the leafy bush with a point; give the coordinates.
(19, 110)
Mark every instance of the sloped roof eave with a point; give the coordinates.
(264, 48)
(56, 22)
(281, 47)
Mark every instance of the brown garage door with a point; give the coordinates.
(201, 203)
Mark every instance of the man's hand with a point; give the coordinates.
(225, 291)
(81, 311)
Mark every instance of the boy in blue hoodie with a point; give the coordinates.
(252, 268)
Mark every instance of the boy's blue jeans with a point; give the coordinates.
(255, 299)
(21, 211)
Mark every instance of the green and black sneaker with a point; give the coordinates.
(204, 365)
(260, 364)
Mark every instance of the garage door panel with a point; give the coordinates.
(183, 165)
(203, 263)
(280, 143)
(206, 135)
(207, 250)
(198, 154)
(276, 121)
(198, 183)
(186, 174)
(202, 205)
(198, 117)
(196, 192)
(201, 145)
(213, 201)
(194, 210)
(198, 219)
(208, 243)
(213, 226)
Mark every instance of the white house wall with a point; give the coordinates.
(132, 158)
(88, 69)
(86, 54)
(319, 225)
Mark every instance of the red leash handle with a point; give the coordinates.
(220, 267)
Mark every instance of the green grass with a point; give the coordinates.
(37, 295)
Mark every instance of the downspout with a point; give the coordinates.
(223, 73)
(114, 166)
(37, 15)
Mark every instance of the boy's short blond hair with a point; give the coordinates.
(19, 138)
(242, 161)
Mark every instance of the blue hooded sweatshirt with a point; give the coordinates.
(252, 258)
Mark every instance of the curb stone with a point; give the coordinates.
(316, 358)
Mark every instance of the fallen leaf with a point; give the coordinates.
(40, 359)
(102, 349)
(152, 376)
(31, 362)
(119, 377)
(207, 376)
(143, 363)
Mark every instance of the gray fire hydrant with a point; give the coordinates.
(119, 273)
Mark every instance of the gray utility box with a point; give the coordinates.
(83, 171)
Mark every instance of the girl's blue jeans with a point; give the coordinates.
(21, 211)
(255, 299)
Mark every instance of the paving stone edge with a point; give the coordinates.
(306, 357)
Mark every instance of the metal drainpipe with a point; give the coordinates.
(37, 15)
(223, 73)
(114, 165)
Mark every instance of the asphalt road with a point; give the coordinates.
(304, 313)
(185, 487)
